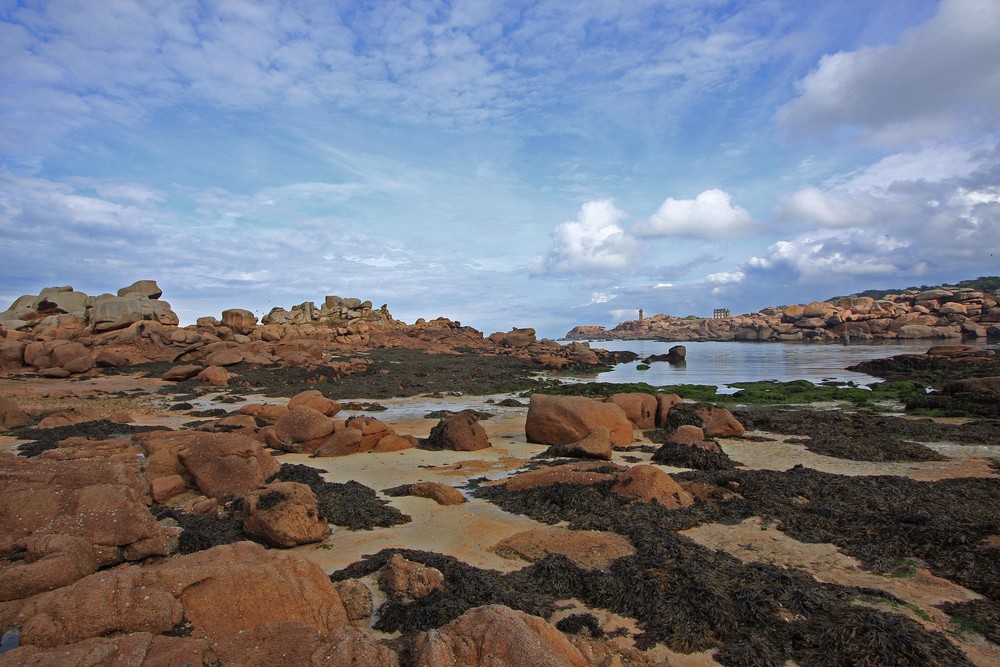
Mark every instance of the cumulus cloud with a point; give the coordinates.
(827, 209)
(828, 257)
(710, 215)
(939, 79)
(593, 242)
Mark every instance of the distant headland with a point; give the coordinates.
(967, 310)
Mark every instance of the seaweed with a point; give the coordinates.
(42, 439)
(864, 437)
(204, 531)
(465, 587)
(979, 616)
(866, 637)
(581, 624)
(688, 456)
(691, 598)
(350, 504)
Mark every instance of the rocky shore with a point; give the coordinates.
(937, 313)
(330, 486)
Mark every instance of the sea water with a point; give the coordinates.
(723, 363)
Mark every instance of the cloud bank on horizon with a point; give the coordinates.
(533, 163)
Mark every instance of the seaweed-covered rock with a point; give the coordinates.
(350, 504)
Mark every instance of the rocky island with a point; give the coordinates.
(947, 312)
(331, 486)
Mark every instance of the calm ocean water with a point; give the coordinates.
(722, 363)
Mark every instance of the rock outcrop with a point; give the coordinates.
(939, 313)
(561, 420)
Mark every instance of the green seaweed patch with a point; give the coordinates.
(796, 392)
(693, 392)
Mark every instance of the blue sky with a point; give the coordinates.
(539, 164)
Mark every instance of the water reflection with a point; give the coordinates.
(722, 363)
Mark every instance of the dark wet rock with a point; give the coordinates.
(934, 369)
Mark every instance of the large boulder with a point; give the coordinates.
(290, 644)
(314, 398)
(597, 445)
(560, 420)
(715, 422)
(147, 288)
(639, 408)
(496, 635)
(219, 592)
(341, 443)
(302, 430)
(134, 648)
(51, 561)
(226, 465)
(460, 432)
(284, 514)
(117, 312)
(648, 483)
(241, 321)
(99, 499)
(12, 416)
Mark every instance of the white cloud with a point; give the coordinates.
(826, 209)
(593, 242)
(710, 215)
(725, 277)
(938, 80)
(829, 256)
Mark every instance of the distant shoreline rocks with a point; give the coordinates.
(61, 333)
(936, 313)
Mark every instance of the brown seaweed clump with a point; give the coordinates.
(687, 456)
(692, 599)
(43, 439)
(866, 437)
(350, 504)
(465, 587)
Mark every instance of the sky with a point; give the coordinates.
(505, 164)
